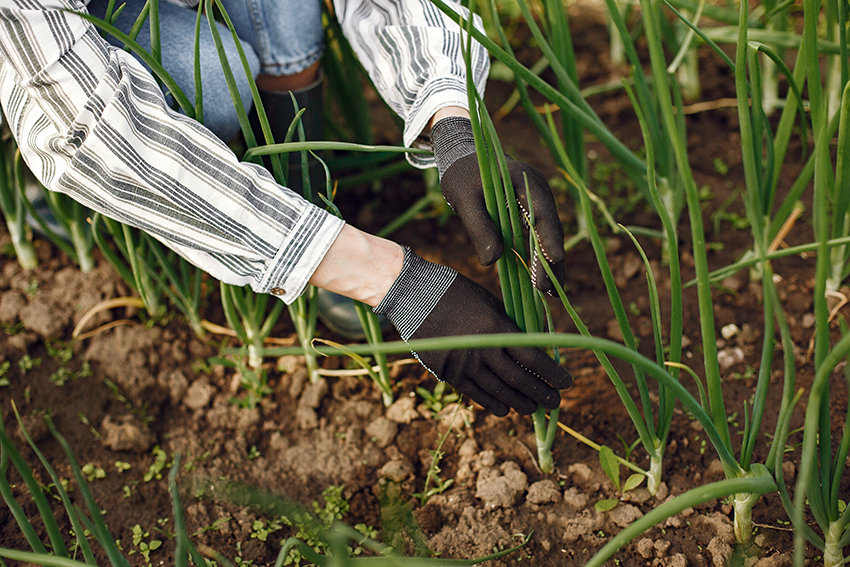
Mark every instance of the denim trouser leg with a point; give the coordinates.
(286, 35)
(278, 37)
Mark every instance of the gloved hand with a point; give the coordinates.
(428, 300)
(460, 180)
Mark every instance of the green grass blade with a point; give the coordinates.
(181, 536)
(623, 154)
(99, 527)
(57, 542)
(765, 368)
(63, 495)
(6, 492)
(156, 47)
(199, 91)
(230, 314)
(39, 558)
(271, 149)
(114, 260)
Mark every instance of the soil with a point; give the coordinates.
(149, 387)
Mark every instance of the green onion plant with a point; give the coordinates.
(11, 201)
(248, 315)
(74, 237)
(522, 304)
(128, 252)
(822, 461)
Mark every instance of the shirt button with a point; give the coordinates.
(278, 291)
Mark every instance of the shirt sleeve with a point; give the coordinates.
(414, 56)
(92, 123)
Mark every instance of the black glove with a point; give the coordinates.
(428, 300)
(460, 179)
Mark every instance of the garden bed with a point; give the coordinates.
(135, 395)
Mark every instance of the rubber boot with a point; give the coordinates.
(280, 113)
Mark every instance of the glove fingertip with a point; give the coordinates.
(500, 411)
(564, 380)
(488, 255)
(551, 402)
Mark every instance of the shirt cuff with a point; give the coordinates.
(436, 94)
(300, 254)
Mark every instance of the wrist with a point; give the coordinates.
(360, 266)
(451, 140)
(416, 291)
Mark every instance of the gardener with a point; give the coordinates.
(91, 122)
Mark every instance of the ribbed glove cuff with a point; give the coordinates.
(415, 292)
(451, 139)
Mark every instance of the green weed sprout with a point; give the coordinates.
(11, 201)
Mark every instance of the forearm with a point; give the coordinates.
(92, 123)
(360, 266)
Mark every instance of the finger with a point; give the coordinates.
(523, 380)
(481, 230)
(542, 365)
(540, 279)
(471, 390)
(462, 187)
(547, 223)
(502, 378)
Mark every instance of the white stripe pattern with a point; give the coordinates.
(92, 123)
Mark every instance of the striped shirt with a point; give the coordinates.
(92, 123)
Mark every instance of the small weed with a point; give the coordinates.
(27, 363)
(214, 527)
(59, 350)
(85, 421)
(261, 530)
(123, 466)
(437, 400)
(720, 166)
(254, 453)
(61, 376)
(256, 384)
(4, 371)
(32, 288)
(145, 547)
(190, 465)
(159, 464)
(335, 507)
(93, 472)
(11, 329)
(748, 373)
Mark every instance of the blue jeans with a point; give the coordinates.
(278, 37)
